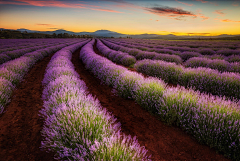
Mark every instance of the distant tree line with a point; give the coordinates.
(13, 34)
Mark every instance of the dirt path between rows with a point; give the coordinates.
(162, 142)
(20, 125)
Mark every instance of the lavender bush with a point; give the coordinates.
(228, 52)
(139, 54)
(207, 51)
(168, 58)
(119, 57)
(186, 55)
(202, 79)
(233, 58)
(6, 89)
(220, 65)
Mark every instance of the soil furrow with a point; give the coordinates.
(162, 142)
(20, 125)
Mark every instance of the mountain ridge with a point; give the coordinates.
(108, 33)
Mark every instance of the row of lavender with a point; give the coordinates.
(12, 72)
(218, 65)
(21, 50)
(139, 55)
(116, 56)
(13, 44)
(10, 55)
(76, 126)
(202, 79)
(182, 45)
(212, 120)
(187, 43)
(220, 62)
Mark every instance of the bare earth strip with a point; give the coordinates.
(162, 141)
(20, 125)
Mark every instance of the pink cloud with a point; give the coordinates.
(169, 11)
(175, 13)
(201, 15)
(235, 4)
(61, 4)
(185, 3)
(219, 12)
(106, 10)
(203, 1)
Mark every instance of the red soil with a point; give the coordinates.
(162, 142)
(20, 125)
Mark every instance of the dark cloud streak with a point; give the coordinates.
(175, 13)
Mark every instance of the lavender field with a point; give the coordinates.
(92, 95)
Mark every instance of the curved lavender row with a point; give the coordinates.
(187, 53)
(10, 55)
(12, 72)
(116, 56)
(76, 126)
(202, 79)
(139, 55)
(194, 59)
(226, 47)
(212, 120)
(220, 65)
(159, 49)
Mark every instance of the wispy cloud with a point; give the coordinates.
(170, 12)
(57, 3)
(235, 4)
(219, 12)
(225, 20)
(43, 24)
(203, 1)
(175, 13)
(185, 3)
(106, 10)
(197, 33)
(200, 15)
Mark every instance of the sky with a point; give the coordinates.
(178, 17)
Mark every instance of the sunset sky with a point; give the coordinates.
(178, 17)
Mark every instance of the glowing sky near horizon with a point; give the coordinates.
(179, 17)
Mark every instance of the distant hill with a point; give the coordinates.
(107, 33)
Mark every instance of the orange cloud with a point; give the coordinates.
(48, 25)
(227, 20)
(185, 3)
